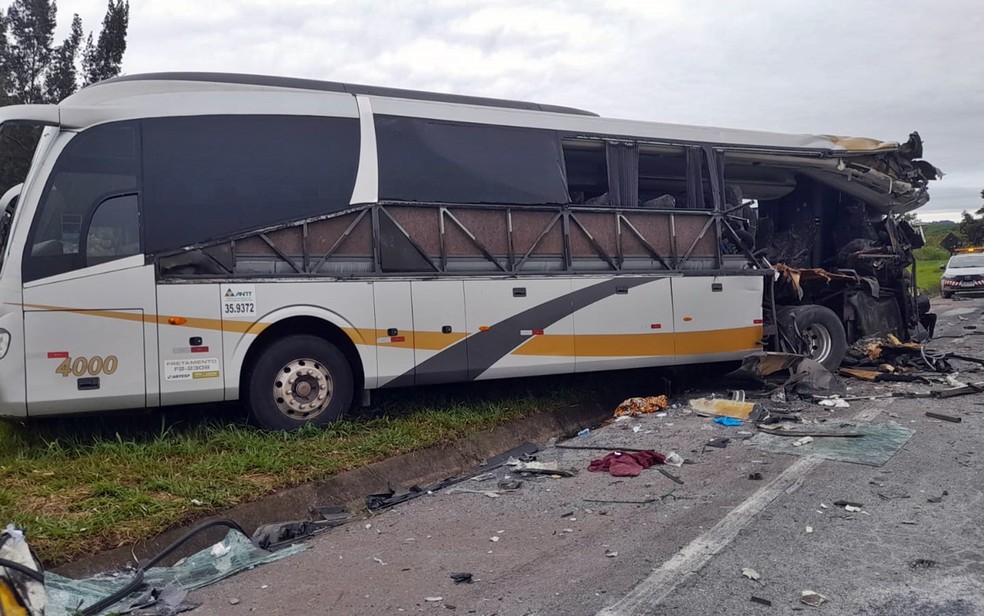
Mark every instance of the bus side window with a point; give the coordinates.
(113, 231)
(587, 172)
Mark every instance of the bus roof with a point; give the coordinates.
(141, 90)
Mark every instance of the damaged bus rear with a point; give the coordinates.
(832, 228)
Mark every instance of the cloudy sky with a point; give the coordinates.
(853, 67)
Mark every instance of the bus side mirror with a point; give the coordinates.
(943, 267)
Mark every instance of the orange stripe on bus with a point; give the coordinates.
(239, 327)
(643, 345)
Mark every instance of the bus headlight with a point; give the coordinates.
(4, 342)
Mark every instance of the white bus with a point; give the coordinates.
(188, 238)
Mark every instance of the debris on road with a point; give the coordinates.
(610, 554)
(834, 402)
(539, 468)
(670, 476)
(755, 476)
(760, 600)
(272, 536)
(601, 448)
(810, 433)
(720, 407)
(634, 407)
(719, 443)
(811, 598)
(98, 593)
(880, 443)
(433, 599)
(626, 464)
(728, 421)
(949, 418)
(846, 504)
(673, 459)
(462, 578)
(751, 574)
(806, 440)
(809, 529)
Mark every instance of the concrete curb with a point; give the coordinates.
(351, 487)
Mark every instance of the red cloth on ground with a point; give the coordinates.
(626, 464)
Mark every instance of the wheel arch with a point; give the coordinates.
(312, 321)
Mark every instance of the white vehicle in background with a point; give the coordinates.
(963, 273)
(188, 238)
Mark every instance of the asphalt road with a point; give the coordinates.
(915, 548)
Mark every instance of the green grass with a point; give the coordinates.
(928, 275)
(78, 486)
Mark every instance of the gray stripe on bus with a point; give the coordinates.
(486, 348)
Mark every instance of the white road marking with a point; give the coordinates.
(661, 582)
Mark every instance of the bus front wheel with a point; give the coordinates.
(298, 380)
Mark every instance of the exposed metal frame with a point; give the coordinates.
(566, 216)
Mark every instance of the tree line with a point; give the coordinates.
(35, 68)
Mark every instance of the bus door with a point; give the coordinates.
(717, 317)
(625, 322)
(439, 344)
(394, 333)
(190, 334)
(519, 327)
(90, 329)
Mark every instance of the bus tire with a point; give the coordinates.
(298, 380)
(946, 294)
(816, 332)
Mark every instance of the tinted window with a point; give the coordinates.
(432, 161)
(97, 163)
(208, 177)
(114, 231)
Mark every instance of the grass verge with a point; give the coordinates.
(78, 486)
(928, 274)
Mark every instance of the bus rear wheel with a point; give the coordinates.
(816, 332)
(296, 381)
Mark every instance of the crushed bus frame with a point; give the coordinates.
(185, 238)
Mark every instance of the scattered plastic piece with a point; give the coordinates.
(728, 421)
(378, 560)
(813, 599)
(494, 538)
(674, 459)
(584, 432)
(720, 443)
(220, 549)
(723, 408)
(755, 476)
(751, 574)
(834, 402)
(462, 578)
(809, 529)
(433, 599)
(610, 554)
(802, 441)
(851, 508)
(760, 600)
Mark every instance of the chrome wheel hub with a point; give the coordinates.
(817, 341)
(302, 389)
